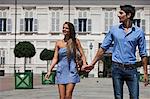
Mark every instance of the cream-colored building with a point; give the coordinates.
(40, 22)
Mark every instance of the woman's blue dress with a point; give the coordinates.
(66, 71)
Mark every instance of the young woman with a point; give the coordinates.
(65, 58)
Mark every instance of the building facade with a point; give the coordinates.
(41, 21)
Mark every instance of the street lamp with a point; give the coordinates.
(69, 10)
(91, 47)
(15, 33)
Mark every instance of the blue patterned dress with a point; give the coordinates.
(66, 72)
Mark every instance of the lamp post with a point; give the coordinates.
(15, 33)
(91, 47)
(69, 10)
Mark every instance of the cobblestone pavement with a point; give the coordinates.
(88, 88)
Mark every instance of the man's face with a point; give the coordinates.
(122, 16)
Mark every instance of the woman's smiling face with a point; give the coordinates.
(66, 30)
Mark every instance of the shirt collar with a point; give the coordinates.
(121, 27)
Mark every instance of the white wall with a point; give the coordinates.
(46, 40)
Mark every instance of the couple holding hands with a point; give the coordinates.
(125, 36)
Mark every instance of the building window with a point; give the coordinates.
(108, 18)
(2, 57)
(148, 47)
(29, 23)
(55, 13)
(139, 23)
(143, 24)
(139, 18)
(2, 24)
(55, 21)
(5, 23)
(82, 24)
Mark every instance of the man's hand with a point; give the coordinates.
(87, 68)
(146, 81)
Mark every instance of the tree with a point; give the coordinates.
(47, 55)
(24, 49)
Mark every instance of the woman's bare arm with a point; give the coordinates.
(81, 51)
(55, 58)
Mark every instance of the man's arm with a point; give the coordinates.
(98, 56)
(144, 62)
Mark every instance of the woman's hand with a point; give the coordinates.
(87, 68)
(47, 75)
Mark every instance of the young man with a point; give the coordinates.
(126, 38)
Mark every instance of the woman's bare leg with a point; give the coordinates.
(62, 91)
(69, 90)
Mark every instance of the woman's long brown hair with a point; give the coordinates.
(71, 41)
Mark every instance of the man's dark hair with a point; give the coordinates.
(128, 9)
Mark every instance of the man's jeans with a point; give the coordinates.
(130, 75)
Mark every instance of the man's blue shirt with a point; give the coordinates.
(125, 44)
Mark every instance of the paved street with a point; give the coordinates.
(88, 88)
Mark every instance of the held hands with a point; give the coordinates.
(47, 75)
(87, 68)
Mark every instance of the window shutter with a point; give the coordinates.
(57, 24)
(111, 20)
(35, 25)
(21, 25)
(31, 15)
(76, 25)
(53, 21)
(57, 21)
(0, 14)
(0, 24)
(106, 21)
(4, 14)
(26, 15)
(2, 57)
(9, 25)
(80, 14)
(84, 14)
(89, 25)
(143, 24)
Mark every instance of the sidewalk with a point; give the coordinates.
(7, 82)
(88, 88)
